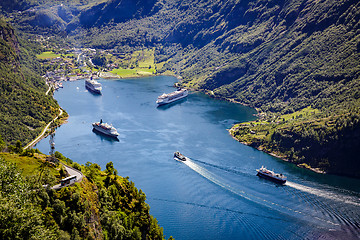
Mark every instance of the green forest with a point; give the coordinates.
(308, 139)
(102, 206)
(24, 107)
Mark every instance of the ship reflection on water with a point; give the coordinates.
(104, 137)
(169, 105)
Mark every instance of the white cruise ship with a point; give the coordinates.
(172, 97)
(105, 128)
(93, 85)
(179, 157)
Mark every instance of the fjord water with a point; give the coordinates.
(217, 194)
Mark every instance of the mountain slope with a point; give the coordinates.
(24, 107)
(273, 55)
(277, 56)
(116, 11)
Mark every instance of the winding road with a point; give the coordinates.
(71, 171)
(38, 138)
(47, 92)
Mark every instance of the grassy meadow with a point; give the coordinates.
(137, 64)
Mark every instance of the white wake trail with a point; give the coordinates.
(263, 202)
(325, 194)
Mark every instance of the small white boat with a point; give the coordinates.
(270, 175)
(179, 157)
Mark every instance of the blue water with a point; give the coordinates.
(216, 195)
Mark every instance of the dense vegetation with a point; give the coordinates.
(101, 206)
(277, 56)
(24, 107)
(308, 139)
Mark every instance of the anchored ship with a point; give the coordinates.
(270, 175)
(172, 97)
(105, 128)
(178, 156)
(93, 85)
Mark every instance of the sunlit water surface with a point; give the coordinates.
(215, 195)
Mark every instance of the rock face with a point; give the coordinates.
(115, 11)
(9, 38)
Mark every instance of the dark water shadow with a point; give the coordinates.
(105, 137)
(169, 105)
(94, 93)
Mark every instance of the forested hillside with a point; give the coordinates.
(24, 107)
(277, 56)
(102, 206)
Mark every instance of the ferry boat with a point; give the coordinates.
(178, 156)
(172, 97)
(105, 128)
(93, 85)
(270, 175)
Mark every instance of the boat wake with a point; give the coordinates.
(223, 168)
(325, 194)
(337, 213)
(254, 199)
(244, 218)
(340, 208)
(216, 208)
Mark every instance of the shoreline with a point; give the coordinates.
(316, 170)
(45, 131)
(211, 94)
(117, 77)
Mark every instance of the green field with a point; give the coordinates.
(47, 55)
(29, 165)
(138, 64)
(124, 72)
(145, 58)
(51, 55)
(305, 112)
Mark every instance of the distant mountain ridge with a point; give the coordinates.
(116, 11)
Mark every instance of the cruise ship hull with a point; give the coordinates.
(92, 89)
(161, 102)
(93, 86)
